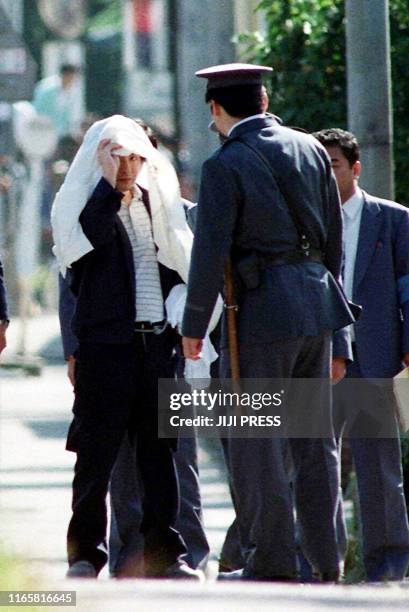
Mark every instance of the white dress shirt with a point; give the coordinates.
(351, 213)
(149, 298)
(259, 116)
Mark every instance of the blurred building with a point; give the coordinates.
(139, 58)
(164, 43)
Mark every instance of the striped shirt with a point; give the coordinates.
(137, 222)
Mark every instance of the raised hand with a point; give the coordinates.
(108, 161)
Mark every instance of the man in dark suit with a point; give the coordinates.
(269, 194)
(120, 357)
(126, 489)
(376, 275)
(4, 322)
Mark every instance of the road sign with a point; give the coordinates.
(35, 134)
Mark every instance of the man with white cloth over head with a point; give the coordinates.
(127, 250)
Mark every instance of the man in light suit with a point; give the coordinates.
(376, 276)
(251, 189)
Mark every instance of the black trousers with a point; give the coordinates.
(366, 413)
(116, 395)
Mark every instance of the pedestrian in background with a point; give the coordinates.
(59, 98)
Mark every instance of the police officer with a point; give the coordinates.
(268, 196)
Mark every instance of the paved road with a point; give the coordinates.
(35, 479)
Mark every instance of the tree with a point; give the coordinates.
(305, 42)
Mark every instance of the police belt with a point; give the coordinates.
(148, 327)
(291, 257)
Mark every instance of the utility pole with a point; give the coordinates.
(205, 35)
(370, 91)
(173, 14)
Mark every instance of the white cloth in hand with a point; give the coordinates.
(197, 372)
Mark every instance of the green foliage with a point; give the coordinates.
(105, 14)
(15, 576)
(399, 24)
(305, 43)
(307, 52)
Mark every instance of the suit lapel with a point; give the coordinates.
(371, 220)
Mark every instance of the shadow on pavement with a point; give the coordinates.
(49, 429)
(52, 352)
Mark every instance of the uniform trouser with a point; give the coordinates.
(379, 473)
(232, 554)
(260, 481)
(116, 393)
(126, 492)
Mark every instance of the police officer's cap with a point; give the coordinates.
(229, 75)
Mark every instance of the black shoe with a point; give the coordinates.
(225, 569)
(81, 569)
(331, 577)
(392, 568)
(181, 571)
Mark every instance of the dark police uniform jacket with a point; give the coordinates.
(103, 281)
(242, 208)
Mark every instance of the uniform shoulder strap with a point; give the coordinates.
(305, 243)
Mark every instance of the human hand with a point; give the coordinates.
(192, 348)
(338, 369)
(405, 359)
(109, 163)
(71, 369)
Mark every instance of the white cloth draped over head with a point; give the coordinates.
(171, 233)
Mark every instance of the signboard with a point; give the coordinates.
(17, 68)
(34, 133)
(13, 60)
(153, 101)
(67, 19)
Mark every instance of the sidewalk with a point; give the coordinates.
(35, 484)
(35, 469)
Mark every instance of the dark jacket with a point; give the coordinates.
(103, 281)
(243, 209)
(381, 285)
(66, 309)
